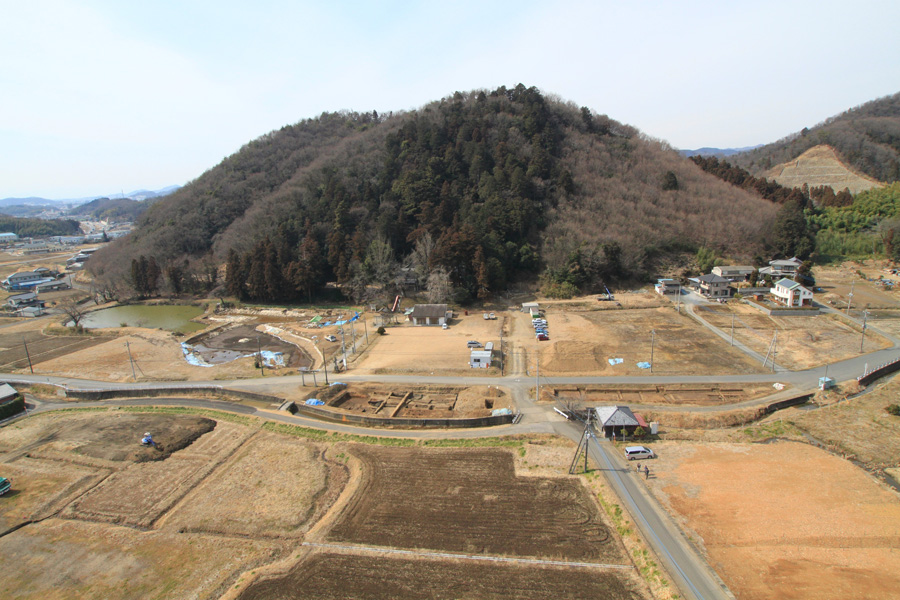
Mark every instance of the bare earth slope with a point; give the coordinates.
(820, 166)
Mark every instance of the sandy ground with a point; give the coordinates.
(410, 349)
(838, 281)
(802, 342)
(581, 343)
(783, 520)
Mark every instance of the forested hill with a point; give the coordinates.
(480, 188)
(866, 137)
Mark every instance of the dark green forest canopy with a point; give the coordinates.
(38, 227)
(488, 187)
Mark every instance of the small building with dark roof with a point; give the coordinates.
(612, 419)
(429, 314)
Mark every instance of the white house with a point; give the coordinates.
(791, 293)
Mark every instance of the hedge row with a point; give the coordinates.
(12, 408)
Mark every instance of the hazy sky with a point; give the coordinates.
(101, 96)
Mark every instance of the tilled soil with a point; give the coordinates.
(467, 500)
(341, 576)
(785, 519)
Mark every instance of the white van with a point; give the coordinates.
(636, 452)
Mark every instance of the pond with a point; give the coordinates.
(175, 317)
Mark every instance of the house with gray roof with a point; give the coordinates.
(713, 286)
(429, 314)
(614, 418)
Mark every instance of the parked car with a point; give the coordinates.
(543, 337)
(473, 344)
(638, 452)
(330, 338)
(492, 316)
(444, 326)
(486, 317)
(5, 485)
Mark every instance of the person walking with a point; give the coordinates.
(646, 472)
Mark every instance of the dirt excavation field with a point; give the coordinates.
(802, 342)
(670, 394)
(784, 520)
(400, 401)
(230, 509)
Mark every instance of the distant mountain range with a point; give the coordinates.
(719, 152)
(70, 202)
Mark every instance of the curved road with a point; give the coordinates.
(689, 570)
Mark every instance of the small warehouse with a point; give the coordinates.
(530, 307)
(429, 314)
(480, 359)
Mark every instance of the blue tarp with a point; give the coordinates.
(192, 358)
(643, 365)
(616, 361)
(314, 402)
(272, 359)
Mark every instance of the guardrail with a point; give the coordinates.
(879, 372)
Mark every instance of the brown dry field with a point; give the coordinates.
(471, 501)
(836, 282)
(802, 342)
(235, 504)
(784, 519)
(83, 473)
(582, 342)
(390, 577)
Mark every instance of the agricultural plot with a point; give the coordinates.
(142, 493)
(339, 576)
(802, 342)
(471, 501)
(583, 343)
(784, 520)
(41, 348)
(273, 487)
(61, 560)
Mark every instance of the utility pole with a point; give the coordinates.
(28, 356)
(850, 298)
(262, 367)
(343, 348)
(652, 341)
(774, 349)
(537, 386)
(325, 366)
(502, 359)
(352, 338)
(732, 329)
(863, 337)
(128, 348)
(366, 327)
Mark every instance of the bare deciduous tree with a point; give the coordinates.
(439, 286)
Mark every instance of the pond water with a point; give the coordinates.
(175, 317)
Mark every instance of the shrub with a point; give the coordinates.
(893, 409)
(639, 432)
(381, 330)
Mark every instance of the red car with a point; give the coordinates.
(543, 337)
